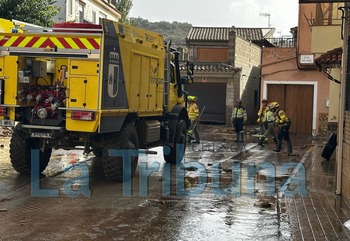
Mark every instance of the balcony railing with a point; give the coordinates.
(282, 42)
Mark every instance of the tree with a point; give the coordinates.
(124, 7)
(39, 12)
(175, 31)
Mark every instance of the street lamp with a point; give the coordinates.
(268, 16)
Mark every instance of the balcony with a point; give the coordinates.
(283, 42)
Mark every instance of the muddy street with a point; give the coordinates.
(210, 196)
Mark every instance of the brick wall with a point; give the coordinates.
(346, 157)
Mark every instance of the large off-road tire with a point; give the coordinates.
(20, 152)
(176, 154)
(97, 151)
(113, 166)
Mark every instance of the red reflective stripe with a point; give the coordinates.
(4, 40)
(94, 43)
(18, 41)
(47, 43)
(64, 43)
(32, 42)
(79, 43)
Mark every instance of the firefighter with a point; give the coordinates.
(239, 116)
(261, 117)
(269, 123)
(193, 114)
(284, 124)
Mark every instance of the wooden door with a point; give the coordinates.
(297, 101)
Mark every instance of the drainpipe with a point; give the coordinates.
(340, 135)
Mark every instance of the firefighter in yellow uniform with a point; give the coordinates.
(284, 124)
(261, 117)
(269, 123)
(193, 114)
(239, 116)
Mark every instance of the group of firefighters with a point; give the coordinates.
(270, 118)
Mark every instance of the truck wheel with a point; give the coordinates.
(20, 152)
(97, 152)
(180, 141)
(113, 166)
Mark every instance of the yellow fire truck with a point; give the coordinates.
(109, 86)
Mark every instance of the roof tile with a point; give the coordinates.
(222, 33)
(333, 56)
(211, 67)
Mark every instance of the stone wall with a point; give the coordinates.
(248, 57)
(323, 124)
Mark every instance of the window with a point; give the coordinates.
(81, 12)
(172, 72)
(212, 54)
(93, 16)
(100, 17)
(70, 7)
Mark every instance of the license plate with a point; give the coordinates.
(7, 122)
(41, 135)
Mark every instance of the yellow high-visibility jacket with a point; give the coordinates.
(193, 111)
(282, 119)
(239, 112)
(262, 112)
(269, 116)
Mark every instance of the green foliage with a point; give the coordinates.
(39, 12)
(175, 31)
(124, 7)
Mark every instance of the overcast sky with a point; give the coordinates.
(221, 13)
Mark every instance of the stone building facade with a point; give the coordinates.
(227, 64)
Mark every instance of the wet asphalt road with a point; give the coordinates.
(198, 200)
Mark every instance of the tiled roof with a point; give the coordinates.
(222, 33)
(211, 67)
(250, 33)
(333, 56)
(208, 34)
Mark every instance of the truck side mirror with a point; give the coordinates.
(189, 78)
(189, 67)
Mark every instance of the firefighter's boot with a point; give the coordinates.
(237, 137)
(241, 136)
(261, 141)
(278, 146)
(290, 148)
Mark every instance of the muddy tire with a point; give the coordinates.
(180, 142)
(20, 152)
(113, 166)
(97, 152)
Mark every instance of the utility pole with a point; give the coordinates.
(268, 16)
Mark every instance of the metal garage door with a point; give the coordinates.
(213, 97)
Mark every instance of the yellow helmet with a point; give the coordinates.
(274, 105)
(192, 98)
